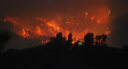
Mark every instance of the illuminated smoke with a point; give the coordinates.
(75, 25)
(48, 18)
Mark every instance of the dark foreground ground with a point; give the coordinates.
(61, 58)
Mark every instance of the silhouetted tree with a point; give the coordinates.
(58, 40)
(59, 35)
(97, 44)
(4, 38)
(104, 37)
(69, 43)
(89, 39)
(100, 39)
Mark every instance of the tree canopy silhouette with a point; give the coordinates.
(104, 37)
(59, 36)
(100, 39)
(69, 43)
(89, 39)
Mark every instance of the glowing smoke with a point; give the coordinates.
(32, 19)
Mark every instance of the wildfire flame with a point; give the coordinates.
(50, 28)
(25, 34)
(73, 42)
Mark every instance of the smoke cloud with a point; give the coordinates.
(29, 10)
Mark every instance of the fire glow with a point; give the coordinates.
(79, 26)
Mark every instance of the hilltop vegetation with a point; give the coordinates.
(64, 54)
